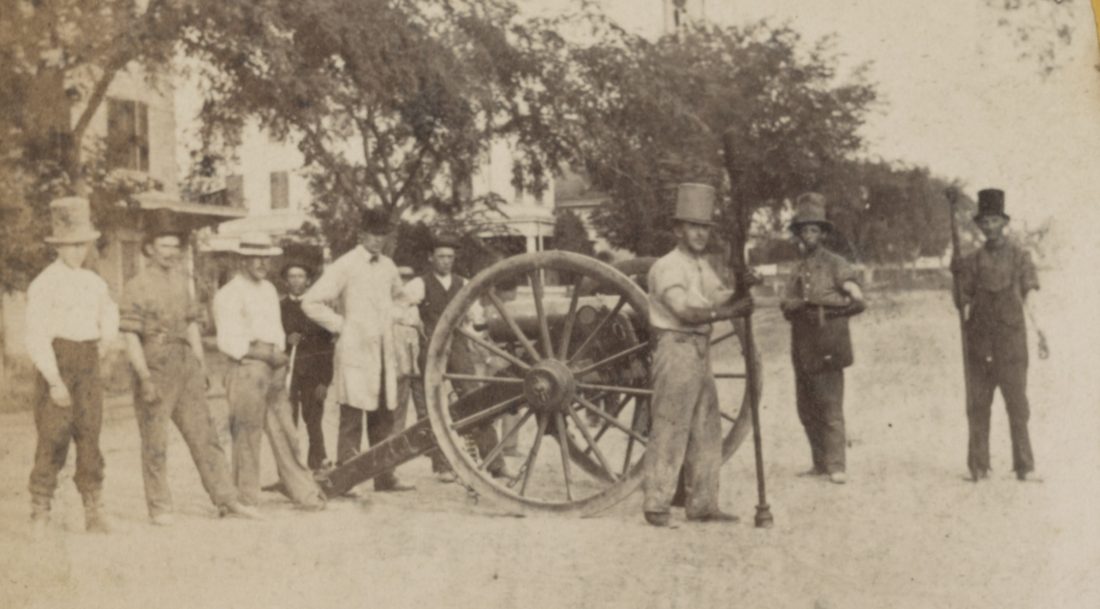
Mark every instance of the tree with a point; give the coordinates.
(570, 233)
(749, 109)
(57, 60)
(1040, 29)
(394, 103)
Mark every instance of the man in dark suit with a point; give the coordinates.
(311, 348)
(823, 291)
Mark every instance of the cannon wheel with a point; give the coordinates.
(547, 388)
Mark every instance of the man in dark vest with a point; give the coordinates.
(993, 284)
(312, 349)
(431, 292)
(822, 292)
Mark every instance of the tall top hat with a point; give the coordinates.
(375, 222)
(257, 244)
(71, 221)
(991, 202)
(809, 208)
(163, 222)
(695, 203)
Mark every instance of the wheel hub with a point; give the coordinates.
(549, 386)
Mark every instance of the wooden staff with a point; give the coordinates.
(744, 280)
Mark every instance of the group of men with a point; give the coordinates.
(823, 291)
(358, 336)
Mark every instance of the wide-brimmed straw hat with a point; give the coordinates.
(257, 244)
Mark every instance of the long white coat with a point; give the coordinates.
(365, 291)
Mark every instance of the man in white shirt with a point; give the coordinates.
(250, 332)
(70, 321)
(365, 283)
(685, 299)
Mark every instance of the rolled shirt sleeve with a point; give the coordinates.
(1028, 278)
(38, 335)
(131, 314)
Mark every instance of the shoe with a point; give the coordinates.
(40, 519)
(979, 474)
(1023, 476)
(716, 516)
(240, 510)
(95, 521)
(838, 477)
(659, 519)
(446, 477)
(502, 472)
(812, 472)
(163, 519)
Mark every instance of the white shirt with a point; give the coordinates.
(246, 311)
(692, 273)
(68, 303)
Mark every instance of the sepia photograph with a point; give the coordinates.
(663, 304)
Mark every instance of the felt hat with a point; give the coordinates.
(695, 203)
(297, 264)
(162, 222)
(445, 240)
(991, 202)
(257, 244)
(809, 208)
(71, 221)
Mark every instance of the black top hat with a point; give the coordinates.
(162, 223)
(991, 202)
(375, 222)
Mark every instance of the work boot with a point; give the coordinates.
(838, 478)
(95, 521)
(240, 510)
(162, 519)
(40, 517)
(659, 519)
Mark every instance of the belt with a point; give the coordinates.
(162, 339)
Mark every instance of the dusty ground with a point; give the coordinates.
(907, 531)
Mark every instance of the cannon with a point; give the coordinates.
(573, 371)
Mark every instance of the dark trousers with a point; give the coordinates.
(78, 363)
(379, 427)
(459, 361)
(304, 400)
(820, 398)
(181, 385)
(1011, 377)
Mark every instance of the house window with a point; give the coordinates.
(280, 190)
(127, 135)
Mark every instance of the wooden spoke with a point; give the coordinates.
(731, 333)
(630, 440)
(508, 319)
(495, 350)
(544, 325)
(595, 331)
(727, 417)
(614, 358)
(613, 421)
(570, 318)
(563, 441)
(462, 425)
(729, 375)
(493, 454)
(530, 463)
(606, 425)
(615, 389)
(476, 378)
(591, 443)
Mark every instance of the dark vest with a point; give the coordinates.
(436, 299)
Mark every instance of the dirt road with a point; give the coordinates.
(907, 531)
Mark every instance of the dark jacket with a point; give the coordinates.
(313, 362)
(994, 282)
